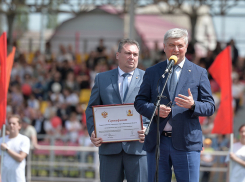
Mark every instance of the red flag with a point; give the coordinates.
(221, 72)
(10, 60)
(3, 90)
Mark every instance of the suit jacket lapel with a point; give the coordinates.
(184, 76)
(134, 81)
(114, 82)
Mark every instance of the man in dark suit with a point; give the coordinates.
(117, 159)
(188, 97)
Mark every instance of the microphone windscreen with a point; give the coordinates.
(173, 57)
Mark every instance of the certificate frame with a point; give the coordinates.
(117, 122)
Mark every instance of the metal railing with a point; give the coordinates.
(62, 163)
(50, 163)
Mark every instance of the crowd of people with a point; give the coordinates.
(45, 91)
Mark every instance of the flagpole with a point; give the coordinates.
(231, 150)
(3, 141)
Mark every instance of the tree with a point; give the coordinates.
(192, 8)
(13, 8)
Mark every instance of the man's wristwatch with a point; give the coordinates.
(7, 149)
(193, 107)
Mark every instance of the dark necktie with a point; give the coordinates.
(172, 87)
(173, 83)
(125, 86)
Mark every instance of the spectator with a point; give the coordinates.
(48, 53)
(80, 114)
(100, 67)
(217, 49)
(156, 53)
(237, 92)
(208, 60)
(101, 54)
(63, 112)
(146, 59)
(70, 82)
(38, 87)
(38, 57)
(222, 144)
(64, 55)
(190, 54)
(16, 97)
(101, 47)
(64, 68)
(90, 60)
(38, 123)
(238, 158)
(71, 98)
(52, 128)
(71, 52)
(50, 109)
(29, 131)
(57, 98)
(33, 102)
(83, 79)
(16, 149)
(73, 126)
(234, 52)
(55, 85)
(207, 159)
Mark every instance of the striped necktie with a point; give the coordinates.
(125, 86)
(173, 83)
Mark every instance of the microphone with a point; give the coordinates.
(172, 61)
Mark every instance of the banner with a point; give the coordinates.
(3, 71)
(221, 72)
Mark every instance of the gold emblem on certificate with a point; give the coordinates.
(104, 114)
(129, 113)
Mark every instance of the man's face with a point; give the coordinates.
(13, 126)
(175, 47)
(128, 57)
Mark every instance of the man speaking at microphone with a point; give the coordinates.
(188, 96)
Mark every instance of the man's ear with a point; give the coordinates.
(117, 55)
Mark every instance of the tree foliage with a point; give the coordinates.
(192, 9)
(21, 8)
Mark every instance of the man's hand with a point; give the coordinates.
(4, 146)
(96, 141)
(142, 135)
(185, 101)
(164, 111)
(233, 156)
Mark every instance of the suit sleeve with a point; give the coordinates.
(205, 105)
(142, 102)
(94, 100)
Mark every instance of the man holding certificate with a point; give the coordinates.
(118, 86)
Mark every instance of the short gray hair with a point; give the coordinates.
(127, 41)
(176, 33)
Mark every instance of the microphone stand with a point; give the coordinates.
(157, 104)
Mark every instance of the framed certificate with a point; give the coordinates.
(117, 123)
